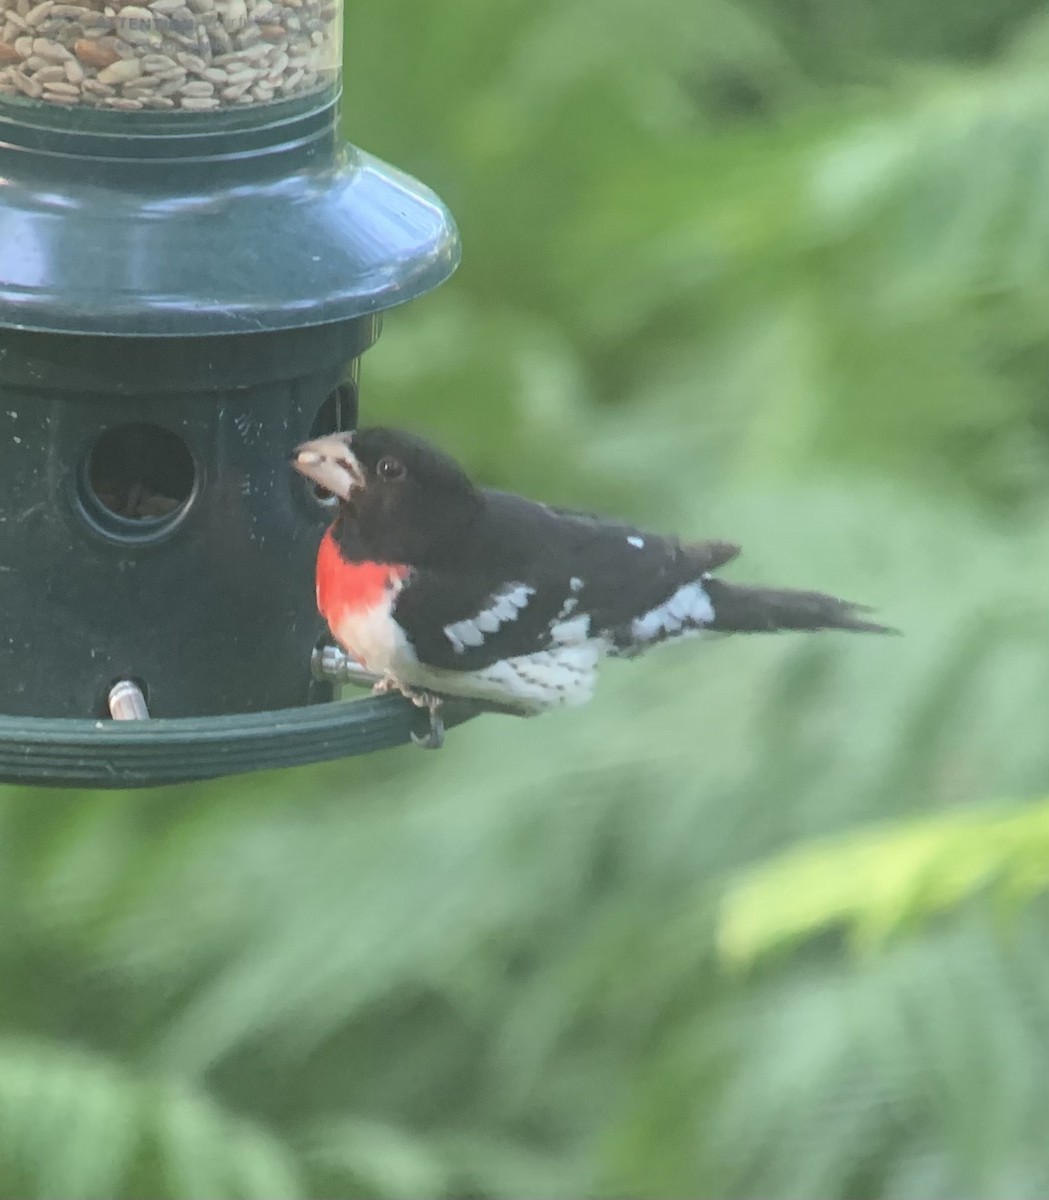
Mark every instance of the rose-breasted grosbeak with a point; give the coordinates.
(443, 588)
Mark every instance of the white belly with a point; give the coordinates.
(532, 683)
(374, 639)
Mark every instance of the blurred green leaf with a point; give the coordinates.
(873, 881)
(76, 1125)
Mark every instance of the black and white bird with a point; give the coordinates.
(442, 588)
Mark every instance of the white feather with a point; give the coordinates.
(571, 632)
(690, 603)
(464, 633)
(645, 628)
(502, 610)
(505, 606)
(686, 601)
(520, 595)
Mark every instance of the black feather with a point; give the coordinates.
(742, 608)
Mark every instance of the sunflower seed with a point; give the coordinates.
(50, 50)
(122, 71)
(35, 15)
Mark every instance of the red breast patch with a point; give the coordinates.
(347, 588)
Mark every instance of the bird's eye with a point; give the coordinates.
(390, 468)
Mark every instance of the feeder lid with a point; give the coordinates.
(211, 226)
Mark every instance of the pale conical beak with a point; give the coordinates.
(331, 464)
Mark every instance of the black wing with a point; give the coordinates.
(443, 616)
(530, 576)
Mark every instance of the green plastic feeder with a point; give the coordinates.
(191, 264)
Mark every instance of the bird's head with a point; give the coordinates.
(407, 501)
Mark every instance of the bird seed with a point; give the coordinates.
(217, 53)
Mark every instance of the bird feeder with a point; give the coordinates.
(191, 264)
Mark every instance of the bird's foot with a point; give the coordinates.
(434, 738)
(434, 704)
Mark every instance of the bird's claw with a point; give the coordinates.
(385, 684)
(434, 738)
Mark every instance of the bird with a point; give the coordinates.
(442, 588)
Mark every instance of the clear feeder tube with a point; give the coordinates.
(180, 56)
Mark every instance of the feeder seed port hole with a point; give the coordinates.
(136, 482)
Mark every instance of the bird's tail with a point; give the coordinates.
(740, 608)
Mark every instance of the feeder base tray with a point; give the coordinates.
(59, 752)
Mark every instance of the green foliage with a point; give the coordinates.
(879, 879)
(735, 268)
(75, 1125)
